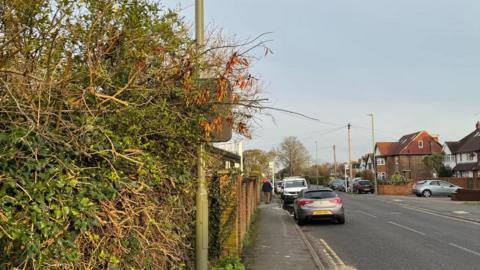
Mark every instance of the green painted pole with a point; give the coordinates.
(201, 220)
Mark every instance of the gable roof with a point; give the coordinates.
(402, 146)
(453, 146)
(387, 148)
(470, 143)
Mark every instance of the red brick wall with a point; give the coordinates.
(390, 189)
(467, 183)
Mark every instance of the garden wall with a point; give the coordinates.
(391, 189)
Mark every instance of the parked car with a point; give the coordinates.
(292, 187)
(321, 203)
(337, 184)
(427, 188)
(278, 187)
(363, 186)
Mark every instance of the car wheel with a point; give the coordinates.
(300, 221)
(427, 193)
(419, 195)
(341, 219)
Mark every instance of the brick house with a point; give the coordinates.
(463, 156)
(406, 156)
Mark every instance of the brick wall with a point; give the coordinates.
(237, 218)
(466, 183)
(390, 189)
(411, 166)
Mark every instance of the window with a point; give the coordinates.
(380, 161)
(420, 144)
(295, 183)
(396, 160)
(319, 194)
(434, 183)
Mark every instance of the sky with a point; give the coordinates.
(414, 64)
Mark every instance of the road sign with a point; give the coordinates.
(223, 112)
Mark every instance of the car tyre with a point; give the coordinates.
(427, 193)
(300, 221)
(341, 219)
(419, 195)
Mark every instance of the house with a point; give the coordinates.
(366, 163)
(406, 156)
(462, 156)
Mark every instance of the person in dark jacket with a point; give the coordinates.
(267, 190)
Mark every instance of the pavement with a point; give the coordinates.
(278, 243)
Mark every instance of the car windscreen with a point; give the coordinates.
(364, 182)
(319, 194)
(295, 183)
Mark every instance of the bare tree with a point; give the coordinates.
(293, 155)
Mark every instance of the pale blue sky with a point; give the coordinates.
(414, 63)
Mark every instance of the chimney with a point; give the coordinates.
(477, 125)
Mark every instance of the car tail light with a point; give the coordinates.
(304, 202)
(336, 200)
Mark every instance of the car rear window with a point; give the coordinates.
(295, 183)
(326, 194)
(421, 182)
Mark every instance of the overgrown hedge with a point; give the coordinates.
(99, 117)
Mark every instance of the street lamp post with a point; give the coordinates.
(373, 155)
(201, 216)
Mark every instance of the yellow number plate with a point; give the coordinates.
(322, 212)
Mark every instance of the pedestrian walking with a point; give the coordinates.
(267, 190)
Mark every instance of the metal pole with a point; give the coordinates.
(201, 216)
(334, 160)
(373, 158)
(316, 160)
(350, 167)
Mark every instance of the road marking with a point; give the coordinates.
(461, 212)
(367, 214)
(330, 250)
(464, 249)
(439, 215)
(397, 200)
(406, 228)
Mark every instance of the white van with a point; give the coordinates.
(292, 187)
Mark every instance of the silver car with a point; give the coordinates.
(428, 188)
(320, 203)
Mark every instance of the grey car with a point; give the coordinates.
(319, 203)
(428, 188)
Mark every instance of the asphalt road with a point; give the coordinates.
(383, 235)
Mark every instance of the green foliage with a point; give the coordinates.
(398, 179)
(445, 172)
(229, 263)
(434, 161)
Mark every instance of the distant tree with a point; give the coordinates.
(434, 161)
(293, 155)
(367, 175)
(256, 160)
(445, 171)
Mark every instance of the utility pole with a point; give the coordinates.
(350, 167)
(334, 160)
(201, 216)
(316, 161)
(291, 163)
(373, 157)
